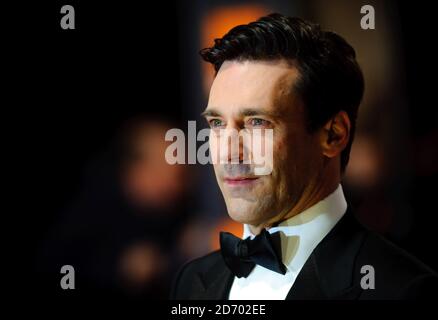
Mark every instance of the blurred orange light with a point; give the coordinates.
(226, 225)
(217, 22)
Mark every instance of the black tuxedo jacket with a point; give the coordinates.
(332, 271)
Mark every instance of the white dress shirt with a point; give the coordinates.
(299, 237)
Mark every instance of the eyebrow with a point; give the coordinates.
(211, 113)
(247, 112)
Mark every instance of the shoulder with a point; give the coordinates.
(397, 273)
(352, 255)
(201, 265)
(188, 278)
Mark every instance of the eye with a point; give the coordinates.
(257, 122)
(215, 123)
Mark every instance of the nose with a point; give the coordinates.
(232, 145)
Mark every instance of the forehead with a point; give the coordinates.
(255, 84)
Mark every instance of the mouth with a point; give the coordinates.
(240, 181)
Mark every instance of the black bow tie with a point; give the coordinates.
(241, 256)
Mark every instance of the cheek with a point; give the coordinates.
(288, 158)
(282, 155)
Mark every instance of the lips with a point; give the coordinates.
(240, 181)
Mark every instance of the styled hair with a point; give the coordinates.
(330, 79)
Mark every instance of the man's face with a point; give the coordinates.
(248, 95)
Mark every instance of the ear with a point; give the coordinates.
(335, 135)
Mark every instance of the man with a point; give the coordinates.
(301, 240)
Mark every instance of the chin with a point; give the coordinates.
(244, 212)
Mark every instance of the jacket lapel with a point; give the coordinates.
(307, 286)
(215, 284)
(330, 272)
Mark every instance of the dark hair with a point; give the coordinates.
(330, 79)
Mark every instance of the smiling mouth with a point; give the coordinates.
(240, 181)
